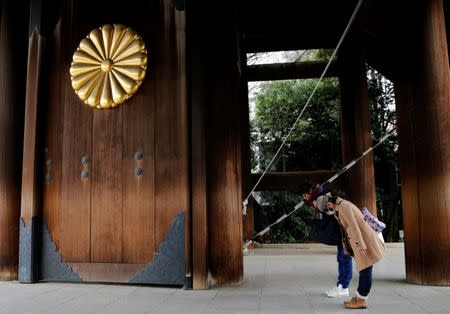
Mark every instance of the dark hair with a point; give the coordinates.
(305, 187)
(334, 195)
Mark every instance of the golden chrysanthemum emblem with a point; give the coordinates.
(108, 66)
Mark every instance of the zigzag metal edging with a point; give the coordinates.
(168, 265)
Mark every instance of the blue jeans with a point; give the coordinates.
(365, 281)
(344, 268)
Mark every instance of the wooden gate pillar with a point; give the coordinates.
(247, 184)
(197, 78)
(13, 52)
(223, 150)
(423, 109)
(355, 124)
(249, 220)
(214, 82)
(30, 223)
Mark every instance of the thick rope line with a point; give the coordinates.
(334, 177)
(352, 18)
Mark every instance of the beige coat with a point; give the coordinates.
(360, 235)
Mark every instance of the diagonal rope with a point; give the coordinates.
(352, 18)
(331, 179)
(301, 56)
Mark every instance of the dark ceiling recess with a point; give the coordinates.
(178, 4)
(291, 25)
(389, 27)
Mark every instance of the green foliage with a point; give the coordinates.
(314, 143)
(324, 54)
(383, 119)
(382, 114)
(291, 230)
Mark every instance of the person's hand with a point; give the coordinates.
(363, 252)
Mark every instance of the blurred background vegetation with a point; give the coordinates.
(315, 144)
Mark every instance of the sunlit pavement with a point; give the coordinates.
(277, 280)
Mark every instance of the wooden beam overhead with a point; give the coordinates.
(279, 42)
(267, 25)
(288, 71)
(289, 181)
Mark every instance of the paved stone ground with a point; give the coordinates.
(288, 280)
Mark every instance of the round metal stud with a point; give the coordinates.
(49, 162)
(84, 160)
(48, 178)
(84, 174)
(138, 171)
(138, 156)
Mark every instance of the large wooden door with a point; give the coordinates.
(115, 182)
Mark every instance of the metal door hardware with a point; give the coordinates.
(84, 160)
(138, 171)
(138, 155)
(84, 174)
(48, 176)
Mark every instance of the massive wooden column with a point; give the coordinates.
(223, 151)
(214, 83)
(355, 123)
(197, 78)
(247, 184)
(29, 210)
(13, 36)
(423, 109)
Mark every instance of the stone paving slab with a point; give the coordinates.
(289, 279)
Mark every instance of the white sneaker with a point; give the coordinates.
(337, 292)
(332, 289)
(327, 292)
